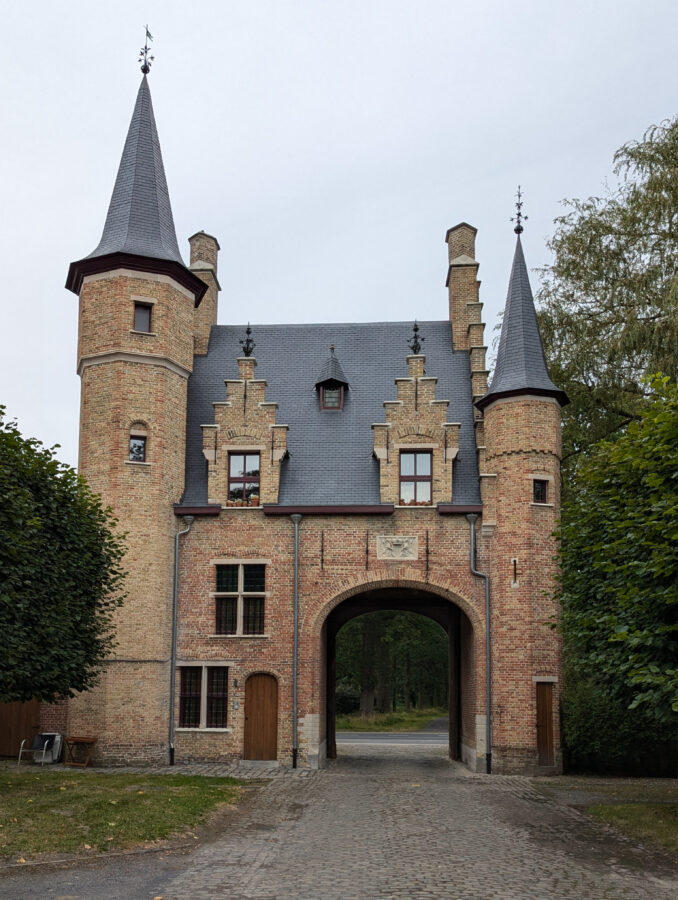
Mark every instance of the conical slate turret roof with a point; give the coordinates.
(139, 229)
(139, 217)
(521, 364)
(331, 371)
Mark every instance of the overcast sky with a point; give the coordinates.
(327, 146)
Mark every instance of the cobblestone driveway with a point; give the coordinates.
(410, 825)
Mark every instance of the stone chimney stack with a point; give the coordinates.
(204, 252)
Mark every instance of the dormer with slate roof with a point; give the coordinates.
(331, 384)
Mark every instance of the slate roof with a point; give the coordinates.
(139, 219)
(332, 371)
(521, 364)
(331, 460)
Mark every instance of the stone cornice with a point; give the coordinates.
(111, 356)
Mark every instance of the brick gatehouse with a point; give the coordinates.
(338, 469)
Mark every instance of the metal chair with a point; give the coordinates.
(45, 746)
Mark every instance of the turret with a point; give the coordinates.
(138, 301)
(520, 479)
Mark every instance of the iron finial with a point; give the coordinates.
(144, 58)
(332, 349)
(415, 343)
(519, 218)
(248, 344)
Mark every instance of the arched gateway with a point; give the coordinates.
(265, 500)
(462, 656)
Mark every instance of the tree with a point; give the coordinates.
(619, 580)
(60, 574)
(609, 301)
(392, 659)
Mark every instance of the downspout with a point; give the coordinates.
(296, 518)
(173, 659)
(488, 644)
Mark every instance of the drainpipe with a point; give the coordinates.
(296, 518)
(173, 658)
(488, 644)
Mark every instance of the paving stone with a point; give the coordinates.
(386, 824)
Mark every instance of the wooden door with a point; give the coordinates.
(545, 723)
(18, 721)
(261, 717)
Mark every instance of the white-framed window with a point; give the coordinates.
(240, 598)
(203, 696)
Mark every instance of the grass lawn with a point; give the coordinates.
(66, 812)
(404, 720)
(656, 822)
(643, 808)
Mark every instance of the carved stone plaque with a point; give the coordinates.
(397, 546)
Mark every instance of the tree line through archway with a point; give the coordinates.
(391, 660)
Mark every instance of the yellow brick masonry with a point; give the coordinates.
(204, 252)
(135, 379)
(416, 419)
(132, 380)
(245, 421)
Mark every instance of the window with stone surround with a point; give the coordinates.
(540, 490)
(243, 479)
(138, 443)
(142, 317)
(415, 477)
(203, 697)
(240, 598)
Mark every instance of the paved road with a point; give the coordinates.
(393, 738)
(400, 823)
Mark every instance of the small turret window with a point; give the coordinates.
(540, 490)
(138, 443)
(142, 317)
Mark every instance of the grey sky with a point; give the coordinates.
(327, 146)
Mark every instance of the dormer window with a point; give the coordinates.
(332, 397)
(331, 385)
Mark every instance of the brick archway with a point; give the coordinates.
(416, 597)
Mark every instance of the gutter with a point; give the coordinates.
(173, 659)
(488, 643)
(296, 518)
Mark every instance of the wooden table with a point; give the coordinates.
(85, 745)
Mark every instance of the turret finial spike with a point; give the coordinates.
(519, 218)
(144, 58)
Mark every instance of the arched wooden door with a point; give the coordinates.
(261, 717)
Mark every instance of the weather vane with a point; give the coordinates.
(144, 57)
(519, 218)
(415, 343)
(248, 344)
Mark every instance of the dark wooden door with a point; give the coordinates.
(545, 723)
(261, 717)
(18, 721)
